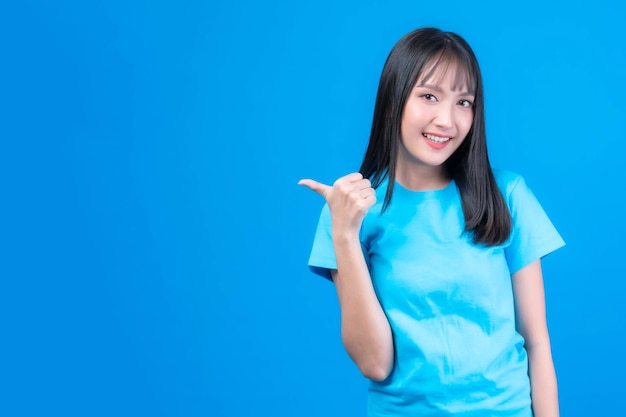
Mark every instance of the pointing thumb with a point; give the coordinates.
(318, 187)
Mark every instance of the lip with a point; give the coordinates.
(435, 145)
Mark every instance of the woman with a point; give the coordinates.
(435, 256)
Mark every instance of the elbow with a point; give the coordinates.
(539, 345)
(375, 359)
(376, 373)
(372, 351)
(375, 366)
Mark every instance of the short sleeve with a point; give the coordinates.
(533, 235)
(322, 258)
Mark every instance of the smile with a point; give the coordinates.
(436, 139)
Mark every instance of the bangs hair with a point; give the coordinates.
(451, 59)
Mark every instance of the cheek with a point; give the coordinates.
(467, 121)
(407, 125)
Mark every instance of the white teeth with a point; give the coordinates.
(436, 139)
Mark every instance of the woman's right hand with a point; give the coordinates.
(365, 330)
(349, 199)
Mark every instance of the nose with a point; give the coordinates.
(444, 116)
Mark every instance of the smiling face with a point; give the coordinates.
(437, 117)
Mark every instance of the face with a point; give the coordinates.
(436, 120)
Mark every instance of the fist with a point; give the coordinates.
(349, 199)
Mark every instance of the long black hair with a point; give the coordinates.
(486, 214)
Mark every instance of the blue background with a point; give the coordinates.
(153, 238)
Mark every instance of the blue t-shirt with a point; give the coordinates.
(449, 301)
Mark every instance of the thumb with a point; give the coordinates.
(318, 187)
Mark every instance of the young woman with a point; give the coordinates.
(434, 255)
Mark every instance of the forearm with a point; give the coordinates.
(530, 311)
(365, 329)
(543, 383)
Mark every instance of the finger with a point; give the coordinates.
(367, 192)
(370, 200)
(355, 176)
(318, 187)
(362, 184)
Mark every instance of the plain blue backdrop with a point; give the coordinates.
(153, 238)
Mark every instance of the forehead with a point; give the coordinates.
(447, 70)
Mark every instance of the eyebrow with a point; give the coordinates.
(438, 89)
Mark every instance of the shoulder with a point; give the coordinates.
(507, 180)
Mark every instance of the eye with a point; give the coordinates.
(466, 103)
(429, 97)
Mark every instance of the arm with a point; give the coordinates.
(365, 330)
(530, 313)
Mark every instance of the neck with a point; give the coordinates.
(422, 178)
